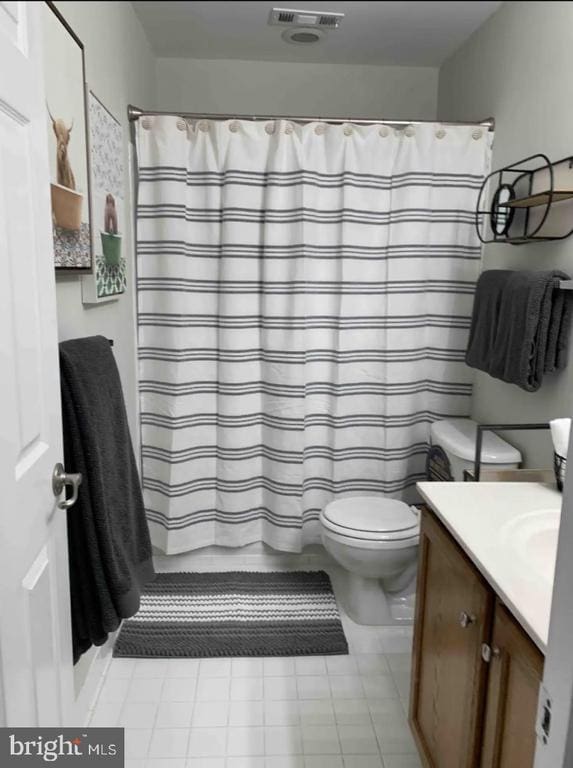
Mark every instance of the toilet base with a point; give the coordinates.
(365, 602)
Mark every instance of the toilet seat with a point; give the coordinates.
(372, 519)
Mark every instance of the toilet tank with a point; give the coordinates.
(452, 450)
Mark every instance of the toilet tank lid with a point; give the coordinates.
(373, 514)
(458, 436)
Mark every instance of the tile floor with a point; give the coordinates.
(302, 712)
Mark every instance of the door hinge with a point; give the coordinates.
(488, 652)
(544, 714)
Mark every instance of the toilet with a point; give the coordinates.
(375, 540)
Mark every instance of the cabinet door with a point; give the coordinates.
(453, 619)
(515, 675)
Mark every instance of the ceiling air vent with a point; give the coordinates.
(291, 17)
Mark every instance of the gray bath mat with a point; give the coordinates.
(234, 613)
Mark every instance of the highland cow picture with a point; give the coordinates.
(67, 142)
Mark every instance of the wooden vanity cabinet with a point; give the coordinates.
(515, 674)
(467, 712)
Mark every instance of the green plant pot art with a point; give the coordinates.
(111, 246)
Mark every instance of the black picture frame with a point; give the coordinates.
(81, 239)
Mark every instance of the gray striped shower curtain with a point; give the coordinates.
(304, 297)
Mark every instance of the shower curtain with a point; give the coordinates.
(304, 297)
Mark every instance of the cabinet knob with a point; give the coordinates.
(489, 652)
(466, 619)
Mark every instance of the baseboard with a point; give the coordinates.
(88, 675)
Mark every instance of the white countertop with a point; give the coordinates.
(480, 516)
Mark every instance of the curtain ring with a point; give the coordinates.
(409, 130)
(146, 123)
(384, 131)
(348, 130)
(440, 133)
(270, 128)
(181, 124)
(234, 126)
(289, 128)
(477, 134)
(203, 125)
(320, 129)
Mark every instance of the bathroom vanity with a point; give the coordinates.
(486, 566)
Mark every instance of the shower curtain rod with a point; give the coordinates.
(134, 113)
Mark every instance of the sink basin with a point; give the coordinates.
(532, 538)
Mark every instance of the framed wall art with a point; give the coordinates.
(108, 280)
(66, 124)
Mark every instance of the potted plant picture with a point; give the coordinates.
(110, 239)
(66, 200)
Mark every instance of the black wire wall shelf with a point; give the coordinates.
(528, 201)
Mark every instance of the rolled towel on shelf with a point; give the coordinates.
(520, 326)
(560, 429)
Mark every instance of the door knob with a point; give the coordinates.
(466, 619)
(60, 479)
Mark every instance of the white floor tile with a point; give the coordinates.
(316, 712)
(310, 665)
(247, 667)
(145, 689)
(245, 762)
(341, 665)
(320, 740)
(399, 662)
(138, 714)
(313, 687)
(281, 712)
(323, 761)
(215, 668)
(166, 762)
(205, 762)
(402, 681)
(352, 712)
(372, 664)
(246, 688)
(279, 688)
(246, 741)
(150, 668)
(106, 714)
(386, 711)
(179, 689)
(243, 713)
(137, 743)
(346, 687)
(114, 689)
(357, 740)
(207, 742)
(213, 688)
(121, 668)
(174, 714)
(278, 667)
(283, 740)
(396, 639)
(363, 761)
(379, 687)
(402, 761)
(182, 668)
(134, 763)
(284, 761)
(395, 738)
(210, 714)
(169, 742)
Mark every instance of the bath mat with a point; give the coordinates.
(236, 613)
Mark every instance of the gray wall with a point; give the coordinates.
(517, 68)
(119, 69)
(253, 87)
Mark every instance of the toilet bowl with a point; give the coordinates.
(376, 541)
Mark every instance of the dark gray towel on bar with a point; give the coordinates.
(520, 326)
(108, 537)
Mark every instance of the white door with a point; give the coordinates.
(36, 673)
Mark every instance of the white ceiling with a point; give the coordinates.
(400, 33)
